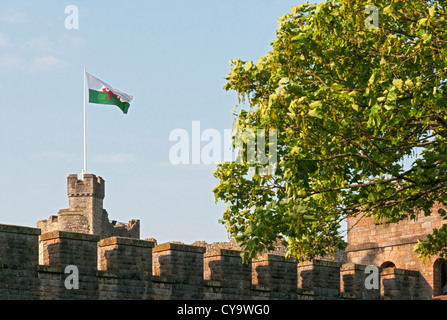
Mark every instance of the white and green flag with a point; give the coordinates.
(102, 93)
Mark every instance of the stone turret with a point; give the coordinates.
(86, 213)
(86, 197)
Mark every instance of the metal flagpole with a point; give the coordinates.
(84, 171)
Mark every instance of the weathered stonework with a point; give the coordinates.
(86, 213)
(391, 244)
(126, 268)
(225, 272)
(352, 280)
(113, 263)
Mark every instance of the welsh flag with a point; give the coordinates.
(101, 93)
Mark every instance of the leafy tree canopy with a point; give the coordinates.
(360, 114)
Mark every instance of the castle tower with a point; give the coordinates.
(86, 197)
(86, 213)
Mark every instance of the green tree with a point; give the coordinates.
(360, 113)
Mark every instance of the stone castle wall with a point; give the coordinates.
(114, 263)
(125, 268)
(380, 243)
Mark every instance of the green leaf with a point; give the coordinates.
(392, 96)
(432, 11)
(397, 83)
(387, 10)
(316, 104)
(423, 22)
(371, 80)
(314, 113)
(409, 83)
(248, 66)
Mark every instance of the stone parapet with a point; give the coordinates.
(126, 268)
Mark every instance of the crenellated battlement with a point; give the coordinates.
(126, 268)
(89, 185)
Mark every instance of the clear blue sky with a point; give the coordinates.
(172, 56)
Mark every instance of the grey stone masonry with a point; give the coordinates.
(127, 268)
(321, 277)
(86, 213)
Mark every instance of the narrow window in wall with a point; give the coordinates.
(439, 277)
(444, 277)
